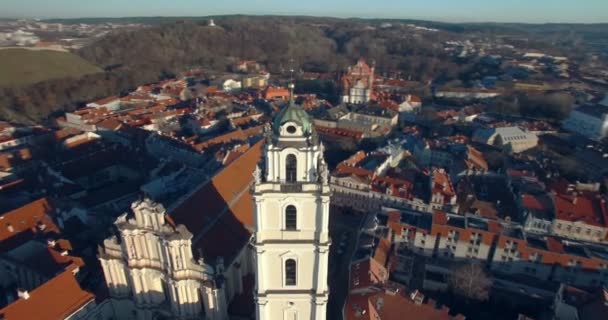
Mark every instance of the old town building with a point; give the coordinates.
(357, 83)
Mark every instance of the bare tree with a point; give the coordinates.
(471, 282)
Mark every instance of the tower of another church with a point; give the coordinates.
(291, 220)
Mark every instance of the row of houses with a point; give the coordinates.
(40, 278)
(505, 248)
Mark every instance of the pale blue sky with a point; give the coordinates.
(586, 11)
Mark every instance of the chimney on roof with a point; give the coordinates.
(51, 242)
(22, 293)
(417, 297)
(64, 253)
(392, 291)
(10, 227)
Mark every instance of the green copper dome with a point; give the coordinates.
(293, 113)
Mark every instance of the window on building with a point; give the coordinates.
(291, 218)
(291, 168)
(290, 272)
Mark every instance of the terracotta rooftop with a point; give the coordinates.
(106, 100)
(220, 213)
(537, 203)
(236, 135)
(57, 298)
(367, 273)
(590, 210)
(394, 302)
(33, 217)
(442, 184)
(272, 92)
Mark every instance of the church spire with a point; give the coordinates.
(291, 87)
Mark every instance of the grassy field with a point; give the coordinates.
(22, 67)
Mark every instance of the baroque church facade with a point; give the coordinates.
(150, 270)
(238, 241)
(358, 83)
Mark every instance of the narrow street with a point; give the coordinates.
(344, 230)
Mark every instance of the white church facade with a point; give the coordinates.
(151, 264)
(254, 244)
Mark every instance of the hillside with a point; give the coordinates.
(22, 67)
(328, 45)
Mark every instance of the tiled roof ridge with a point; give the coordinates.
(33, 213)
(185, 198)
(40, 297)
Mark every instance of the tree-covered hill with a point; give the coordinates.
(170, 45)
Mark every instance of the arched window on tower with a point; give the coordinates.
(291, 168)
(290, 272)
(291, 218)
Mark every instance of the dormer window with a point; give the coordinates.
(291, 129)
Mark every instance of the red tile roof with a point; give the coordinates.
(272, 93)
(220, 213)
(107, 100)
(583, 208)
(236, 135)
(538, 203)
(392, 302)
(57, 298)
(339, 133)
(110, 124)
(28, 218)
(367, 273)
(442, 184)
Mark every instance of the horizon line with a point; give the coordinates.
(303, 16)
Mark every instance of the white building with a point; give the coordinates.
(590, 121)
(357, 83)
(150, 265)
(291, 221)
(110, 103)
(511, 139)
(231, 85)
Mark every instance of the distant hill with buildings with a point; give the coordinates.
(408, 49)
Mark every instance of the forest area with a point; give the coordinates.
(136, 57)
(146, 55)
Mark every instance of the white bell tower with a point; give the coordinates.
(292, 221)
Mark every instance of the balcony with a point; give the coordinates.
(283, 186)
(290, 187)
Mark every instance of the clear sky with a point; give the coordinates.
(538, 11)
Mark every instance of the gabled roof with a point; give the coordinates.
(394, 302)
(107, 100)
(367, 273)
(220, 213)
(57, 298)
(592, 211)
(32, 217)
